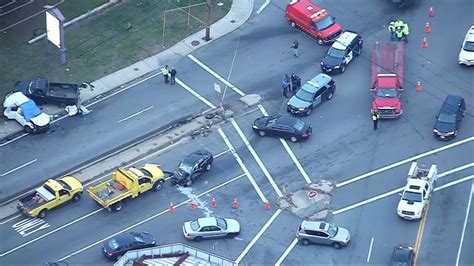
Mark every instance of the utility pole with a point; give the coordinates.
(208, 22)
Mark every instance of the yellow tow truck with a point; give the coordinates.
(50, 195)
(126, 183)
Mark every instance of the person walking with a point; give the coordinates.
(375, 119)
(295, 48)
(391, 29)
(285, 84)
(173, 76)
(165, 71)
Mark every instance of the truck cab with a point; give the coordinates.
(314, 20)
(417, 192)
(51, 194)
(387, 79)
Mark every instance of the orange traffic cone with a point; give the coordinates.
(193, 206)
(171, 208)
(267, 205)
(213, 203)
(418, 86)
(424, 44)
(427, 27)
(431, 12)
(235, 204)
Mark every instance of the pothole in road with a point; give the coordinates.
(310, 202)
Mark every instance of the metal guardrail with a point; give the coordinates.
(176, 248)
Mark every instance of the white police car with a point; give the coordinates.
(342, 51)
(24, 111)
(466, 55)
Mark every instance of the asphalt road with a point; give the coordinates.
(343, 146)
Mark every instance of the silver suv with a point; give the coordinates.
(323, 233)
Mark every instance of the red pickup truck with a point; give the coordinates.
(313, 19)
(387, 78)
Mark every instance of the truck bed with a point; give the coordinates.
(31, 202)
(108, 193)
(387, 58)
(63, 90)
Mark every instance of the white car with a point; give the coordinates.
(26, 112)
(466, 55)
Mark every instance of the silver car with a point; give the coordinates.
(323, 233)
(210, 227)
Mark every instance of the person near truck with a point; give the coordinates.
(401, 30)
(375, 119)
(295, 48)
(391, 29)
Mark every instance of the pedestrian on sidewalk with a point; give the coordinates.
(375, 119)
(166, 72)
(295, 48)
(173, 76)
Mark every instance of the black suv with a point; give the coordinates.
(342, 51)
(449, 117)
(194, 165)
(403, 255)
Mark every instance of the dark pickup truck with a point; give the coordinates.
(43, 92)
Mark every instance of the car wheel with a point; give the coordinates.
(118, 206)
(455, 133)
(42, 214)
(336, 245)
(358, 52)
(463, 113)
(189, 183)
(28, 129)
(208, 167)
(261, 133)
(198, 239)
(293, 24)
(158, 185)
(330, 95)
(76, 197)
(320, 42)
(310, 110)
(304, 242)
(343, 68)
(294, 139)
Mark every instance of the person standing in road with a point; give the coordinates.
(375, 119)
(173, 76)
(295, 48)
(285, 84)
(391, 29)
(165, 71)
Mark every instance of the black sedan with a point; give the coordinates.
(194, 165)
(119, 245)
(449, 117)
(282, 127)
(403, 255)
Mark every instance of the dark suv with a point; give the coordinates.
(193, 166)
(342, 51)
(449, 117)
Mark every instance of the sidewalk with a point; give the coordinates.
(239, 13)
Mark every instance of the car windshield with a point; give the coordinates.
(271, 121)
(332, 230)
(113, 244)
(387, 93)
(468, 46)
(333, 52)
(304, 95)
(221, 223)
(138, 238)
(447, 118)
(64, 184)
(185, 168)
(325, 23)
(299, 125)
(411, 196)
(195, 225)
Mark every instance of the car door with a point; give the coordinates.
(144, 183)
(274, 130)
(318, 96)
(348, 57)
(286, 131)
(324, 238)
(63, 196)
(206, 232)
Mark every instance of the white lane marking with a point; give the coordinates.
(195, 94)
(461, 242)
(149, 218)
(255, 156)
(29, 226)
(49, 233)
(19, 167)
(91, 104)
(10, 219)
(385, 168)
(290, 152)
(370, 249)
(201, 64)
(287, 251)
(135, 114)
(221, 153)
(259, 234)
(461, 180)
(392, 192)
(262, 7)
(242, 165)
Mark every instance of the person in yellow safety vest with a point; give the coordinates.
(406, 32)
(399, 26)
(391, 29)
(166, 72)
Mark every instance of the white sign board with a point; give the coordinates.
(53, 29)
(217, 88)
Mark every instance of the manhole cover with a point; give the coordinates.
(194, 43)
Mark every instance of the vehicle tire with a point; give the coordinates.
(27, 129)
(330, 95)
(117, 206)
(336, 245)
(208, 167)
(305, 242)
(320, 42)
(232, 235)
(158, 185)
(42, 214)
(76, 197)
(198, 239)
(261, 133)
(310, 110)
(358, 52)
(343, 68)
(455, 133)
(293, 24)
(463, 113)
(189, 183)
(294, 139)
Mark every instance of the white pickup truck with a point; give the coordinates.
(417, 192)
(22, 109)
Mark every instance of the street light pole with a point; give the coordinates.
(208, 22)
